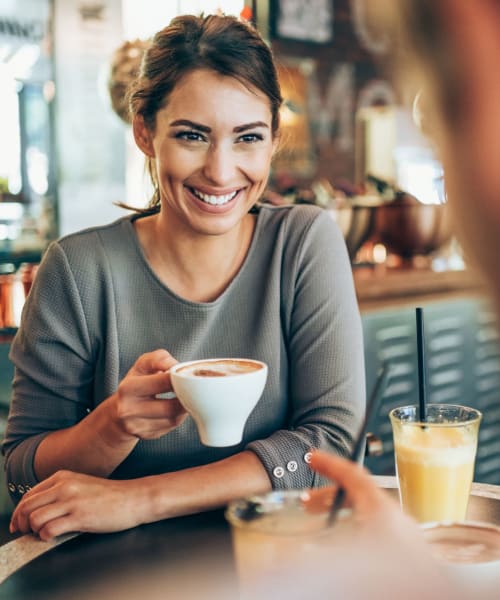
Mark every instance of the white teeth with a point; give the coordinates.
(214, 200)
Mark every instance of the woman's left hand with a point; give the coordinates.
(74, 502)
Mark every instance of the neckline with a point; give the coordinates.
(129, 224)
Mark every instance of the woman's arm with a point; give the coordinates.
(324, 348)
(70, 501)
(57, 419)
(102, 440)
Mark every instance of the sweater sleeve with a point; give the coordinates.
(326, 388)
(53, 373)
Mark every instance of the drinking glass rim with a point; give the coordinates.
(478, 415)
(272, 498)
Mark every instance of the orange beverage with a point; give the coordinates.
(435, 460)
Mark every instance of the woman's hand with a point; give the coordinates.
(101, 441)
(135, 409)
(72, 502)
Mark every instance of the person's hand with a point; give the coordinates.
(73, 502)
(372, 506)
(379, 536)
(362, 492)
(135, 409)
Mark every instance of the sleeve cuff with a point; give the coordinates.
(19, 467)
(286, 461)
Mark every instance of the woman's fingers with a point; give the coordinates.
(56, 527)
(151, 362)
(137, 407)
(41, 495)
(143, 385)
(43, 518)
(69, 502)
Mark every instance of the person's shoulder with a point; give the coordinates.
(88, 248)
(291, 213)
(90, 234)
(297, 218)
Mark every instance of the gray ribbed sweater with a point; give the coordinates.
(96, 305)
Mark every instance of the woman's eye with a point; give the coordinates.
(251, 138)
(190, 136)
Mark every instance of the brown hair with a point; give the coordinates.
(220, 43)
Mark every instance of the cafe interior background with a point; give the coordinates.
(350, 146)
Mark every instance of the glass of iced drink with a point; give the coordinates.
(435, 460)
(279, 537)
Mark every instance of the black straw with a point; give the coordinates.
(422, 403)
(360, 444)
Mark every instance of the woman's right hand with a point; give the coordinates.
(99, 443)
(135, 409)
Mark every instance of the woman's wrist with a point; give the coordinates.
(109, 427)
(95, 446)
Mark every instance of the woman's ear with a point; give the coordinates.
(142, 136)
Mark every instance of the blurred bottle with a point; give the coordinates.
(14, 287)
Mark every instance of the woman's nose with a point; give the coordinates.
(220, 165)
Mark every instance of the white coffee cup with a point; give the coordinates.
(219, 394)
(470, 555)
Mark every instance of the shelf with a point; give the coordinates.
(381, 287)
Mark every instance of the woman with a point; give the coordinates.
(205, 272)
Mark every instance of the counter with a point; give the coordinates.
(381, 287)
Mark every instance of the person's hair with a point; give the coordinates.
(222, 44)
(123, 70)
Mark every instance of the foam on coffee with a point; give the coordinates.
(464, 543)
(219, 368)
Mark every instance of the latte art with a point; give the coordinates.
(219, 368)
(219, 394)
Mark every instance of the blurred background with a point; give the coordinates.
(351, 145)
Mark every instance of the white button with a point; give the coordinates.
(307, 457)
(278, 472)
(166, 396)
(20, 489)
(292, 466)
(12, 487)
(27, 488)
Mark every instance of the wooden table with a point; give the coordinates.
(191, 556)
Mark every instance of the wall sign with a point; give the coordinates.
(303, 20)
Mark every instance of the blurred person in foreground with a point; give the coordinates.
(448, 51)
(205, 271)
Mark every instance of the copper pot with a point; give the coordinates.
(408, 227)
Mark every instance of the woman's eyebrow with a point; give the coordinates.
(191, 124)
(247, 126)
(205, 129)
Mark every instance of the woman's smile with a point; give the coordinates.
(214, 199)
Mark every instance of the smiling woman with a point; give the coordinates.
(96, 440)
(211, 148)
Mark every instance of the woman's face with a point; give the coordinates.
(212, 148)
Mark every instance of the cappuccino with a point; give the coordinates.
(219, 394)
(219, 368)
